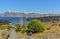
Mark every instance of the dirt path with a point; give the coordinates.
(12, 34)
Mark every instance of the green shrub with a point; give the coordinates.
(18, 27)
(35, 26)
(23, 30)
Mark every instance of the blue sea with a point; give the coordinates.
(14, 20)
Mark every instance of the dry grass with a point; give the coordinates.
(21, 34)
(51, 32)
(1, 35)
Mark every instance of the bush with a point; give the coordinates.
(18, 27)
(6, 26)
(23, 30)
(35, 26)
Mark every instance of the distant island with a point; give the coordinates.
(24, 14)
(28, 15)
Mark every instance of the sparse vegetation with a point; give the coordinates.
(6, 26)
(18, 27)
(23, 30)
(35, 28)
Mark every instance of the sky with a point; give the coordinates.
(41, 6)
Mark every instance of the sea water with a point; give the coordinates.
(14, 20)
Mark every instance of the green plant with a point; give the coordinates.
(6, 26)
(18, 27)
(23, 30)
(35, 26)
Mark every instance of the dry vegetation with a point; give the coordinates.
(53, 32)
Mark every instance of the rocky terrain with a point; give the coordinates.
(53, 33)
